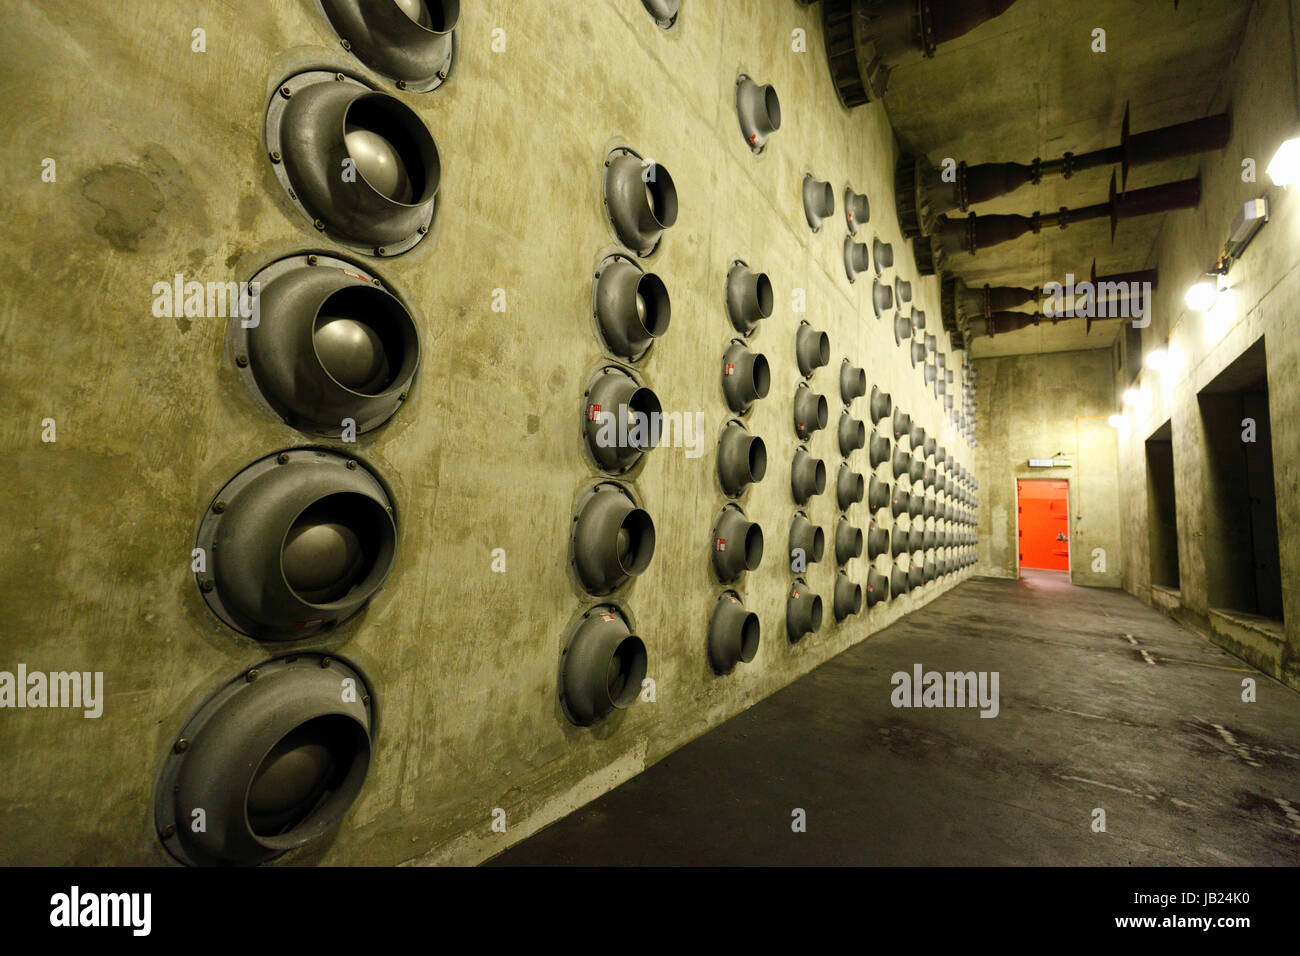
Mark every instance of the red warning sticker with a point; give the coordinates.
(720, 544)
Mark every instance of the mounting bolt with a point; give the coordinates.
(423, 230)
(282, 458)
(313, 260)
(442, 74)
(169, 831)
(324, 662)
(218, 507)
(345, 43)
(319, 224)
(380, 251)
(275, 155)
(352, 464)
(286, 92)
(206, 585)
(241, 361)
(252, 675)
(181, 746)
(340, 77)
(401, 84)
(365, 700)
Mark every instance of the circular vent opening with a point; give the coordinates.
(392, 150)
(635, 544)
(300, 773)
(333, 546)
(363, 339)
(626, 670)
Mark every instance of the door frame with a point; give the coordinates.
(1069, 524)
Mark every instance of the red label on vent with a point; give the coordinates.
(593, 412)
(720, 544)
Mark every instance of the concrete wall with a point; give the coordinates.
(1049, 406)
(161, 170)
(1263, 97)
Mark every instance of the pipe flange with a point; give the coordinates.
(416, 52)
(612, 539)
(664, 12)
(758, 110)
(620, 419)
(631, 307)
(602, 666)
(310, 153)
(329, 343)
(307, 710)
(296, 543)
(640, 199)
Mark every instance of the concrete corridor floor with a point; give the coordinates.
(1104, 704)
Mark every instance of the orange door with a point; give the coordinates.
(1044, 524)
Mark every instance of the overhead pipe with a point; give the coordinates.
(866, 40)
(975, 232)
(962, 304)
(923, 195)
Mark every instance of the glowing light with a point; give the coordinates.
(1157, 360)
(1131, 396)
(1202, 296)
(1284, 167)
(1116, 421)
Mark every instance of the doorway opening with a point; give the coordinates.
(1241, 555)
(1043, 507)
(1162, 508)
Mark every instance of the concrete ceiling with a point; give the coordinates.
(1028, 84)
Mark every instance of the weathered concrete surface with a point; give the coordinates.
(161, 169)
(1265, 285)
(1104, 704)
(1049, 406)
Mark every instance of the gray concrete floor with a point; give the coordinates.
(1105, 704)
